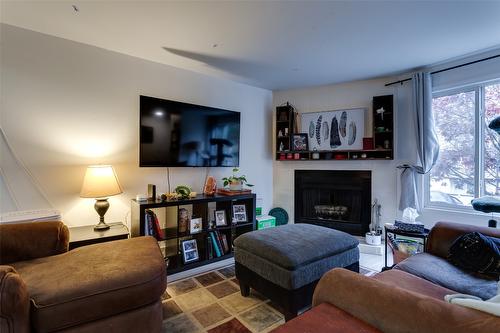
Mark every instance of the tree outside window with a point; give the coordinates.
(469, 160)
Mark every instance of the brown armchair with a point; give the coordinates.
(114, 286)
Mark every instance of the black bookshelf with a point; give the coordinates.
(167, 213)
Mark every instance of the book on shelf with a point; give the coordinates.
(222, 242)
(219, 242)
(214, 244)
(152, 226)
(225, 243)
(148, 225)
(210, 252)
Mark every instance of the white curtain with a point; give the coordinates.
(427, 144)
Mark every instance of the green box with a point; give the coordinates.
(258, 209)
(266, 221)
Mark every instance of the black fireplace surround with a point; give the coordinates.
(336, 199)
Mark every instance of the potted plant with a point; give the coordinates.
(235, 182)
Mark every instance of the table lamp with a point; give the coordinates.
(100, 182)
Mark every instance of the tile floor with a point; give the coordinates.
(211, 302)
(373, 261)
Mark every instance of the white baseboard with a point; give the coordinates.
(200, 270)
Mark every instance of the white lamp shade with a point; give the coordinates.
(100, 181)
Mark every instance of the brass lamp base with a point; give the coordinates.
(101, 206)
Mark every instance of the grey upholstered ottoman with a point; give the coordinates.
(286, 262)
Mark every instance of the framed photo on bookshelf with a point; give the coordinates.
(300, 141)
(220, 218)
(184, 217)
(190, 251)
(195, 225)
(239, 213)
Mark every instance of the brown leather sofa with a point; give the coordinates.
(406, 299)
(108, 287)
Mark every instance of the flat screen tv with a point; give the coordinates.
(176, 134)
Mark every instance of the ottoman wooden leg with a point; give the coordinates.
(244, 289)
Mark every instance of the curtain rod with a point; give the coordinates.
(446, 69)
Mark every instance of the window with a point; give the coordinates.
(469, 161)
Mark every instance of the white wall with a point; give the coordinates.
(341, 96)
(65, 105)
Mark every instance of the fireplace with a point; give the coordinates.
(336, 199)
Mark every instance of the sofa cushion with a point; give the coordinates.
(477, 252)
(396, 277)
(326, 318)
(294, 245)
(93, 282)
(439, 271)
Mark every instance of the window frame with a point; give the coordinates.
(479, 132)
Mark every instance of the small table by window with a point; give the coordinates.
(391, 229)
(85, 235)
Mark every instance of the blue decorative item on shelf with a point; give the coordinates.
(280, 214)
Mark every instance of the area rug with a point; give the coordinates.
(211, 302)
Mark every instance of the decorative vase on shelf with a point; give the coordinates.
(236, 186)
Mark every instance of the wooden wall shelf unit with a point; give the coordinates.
(336, 155)
(286, 124)
(383, 124)
(167, 213)
(383, 136)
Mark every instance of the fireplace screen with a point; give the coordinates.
(336, 199)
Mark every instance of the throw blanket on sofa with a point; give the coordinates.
(491, 305)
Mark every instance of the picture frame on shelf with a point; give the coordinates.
(195, 225)
(211, 215)
(239, 214)
(184, 217)
(190, 251)
(300, 142)
(220, 218)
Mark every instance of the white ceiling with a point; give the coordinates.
(274, 45)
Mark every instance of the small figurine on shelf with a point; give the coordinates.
(183, 191)
(315, 154)
(381, 112)
(210, 186)
(282, 147)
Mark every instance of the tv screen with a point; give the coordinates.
(175, 134)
